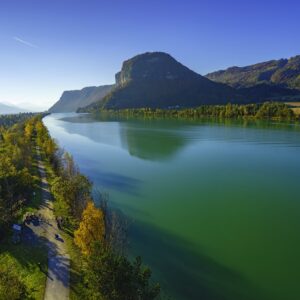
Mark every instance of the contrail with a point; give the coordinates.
(24, 42)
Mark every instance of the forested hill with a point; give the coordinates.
(283, 72)
(70, 101)
(157, 80)
(9, 109)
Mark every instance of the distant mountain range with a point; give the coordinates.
(157, 80)
(10, 109)
(283, 72)
(70, 101)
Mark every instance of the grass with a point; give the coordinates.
(24, 260)
(295, 107)
(296, 110)
(76, 267)
(293, 104)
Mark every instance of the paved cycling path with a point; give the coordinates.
(58, 276)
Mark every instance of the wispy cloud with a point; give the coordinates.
(17, 39)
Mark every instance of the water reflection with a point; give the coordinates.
(152, 142)
(146, 140)
(159, 140)
(99, 132)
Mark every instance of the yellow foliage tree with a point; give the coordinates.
(91, 228)
(28, 130)
(49, 147)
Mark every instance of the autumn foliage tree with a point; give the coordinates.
(16, 169)
(91, 229)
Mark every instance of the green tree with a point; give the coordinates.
(113, 277)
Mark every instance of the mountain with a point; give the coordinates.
(157, 80)
(70, 101)
(10, 109)
(282, 72)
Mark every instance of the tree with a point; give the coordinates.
(72, 193)
(28, 130)
(91, 228)
(50, 148)
(14, 185)
(16, 164)
(110, 276)
(116, 224)
(70, 168)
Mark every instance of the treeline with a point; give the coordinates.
(11, 119)
(98, 233)
(267, 110)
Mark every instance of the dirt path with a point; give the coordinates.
(57, 285)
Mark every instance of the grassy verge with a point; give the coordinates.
(76, 267)
(295, 107)
(296, 111)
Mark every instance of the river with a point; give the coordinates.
(214, 207)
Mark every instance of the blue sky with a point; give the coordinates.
(48, 46)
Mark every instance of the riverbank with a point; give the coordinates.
(265, 111)
(66, 231)
(93, 236)
(57, 284)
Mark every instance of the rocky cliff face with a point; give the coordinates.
(156, 79)
(70, 101)
(153, 66)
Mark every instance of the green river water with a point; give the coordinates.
(214, 207)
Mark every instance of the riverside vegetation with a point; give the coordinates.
(95, 236)
(9, 120)
(20, 275)
(267, 110)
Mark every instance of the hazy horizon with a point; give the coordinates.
(51, 46)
